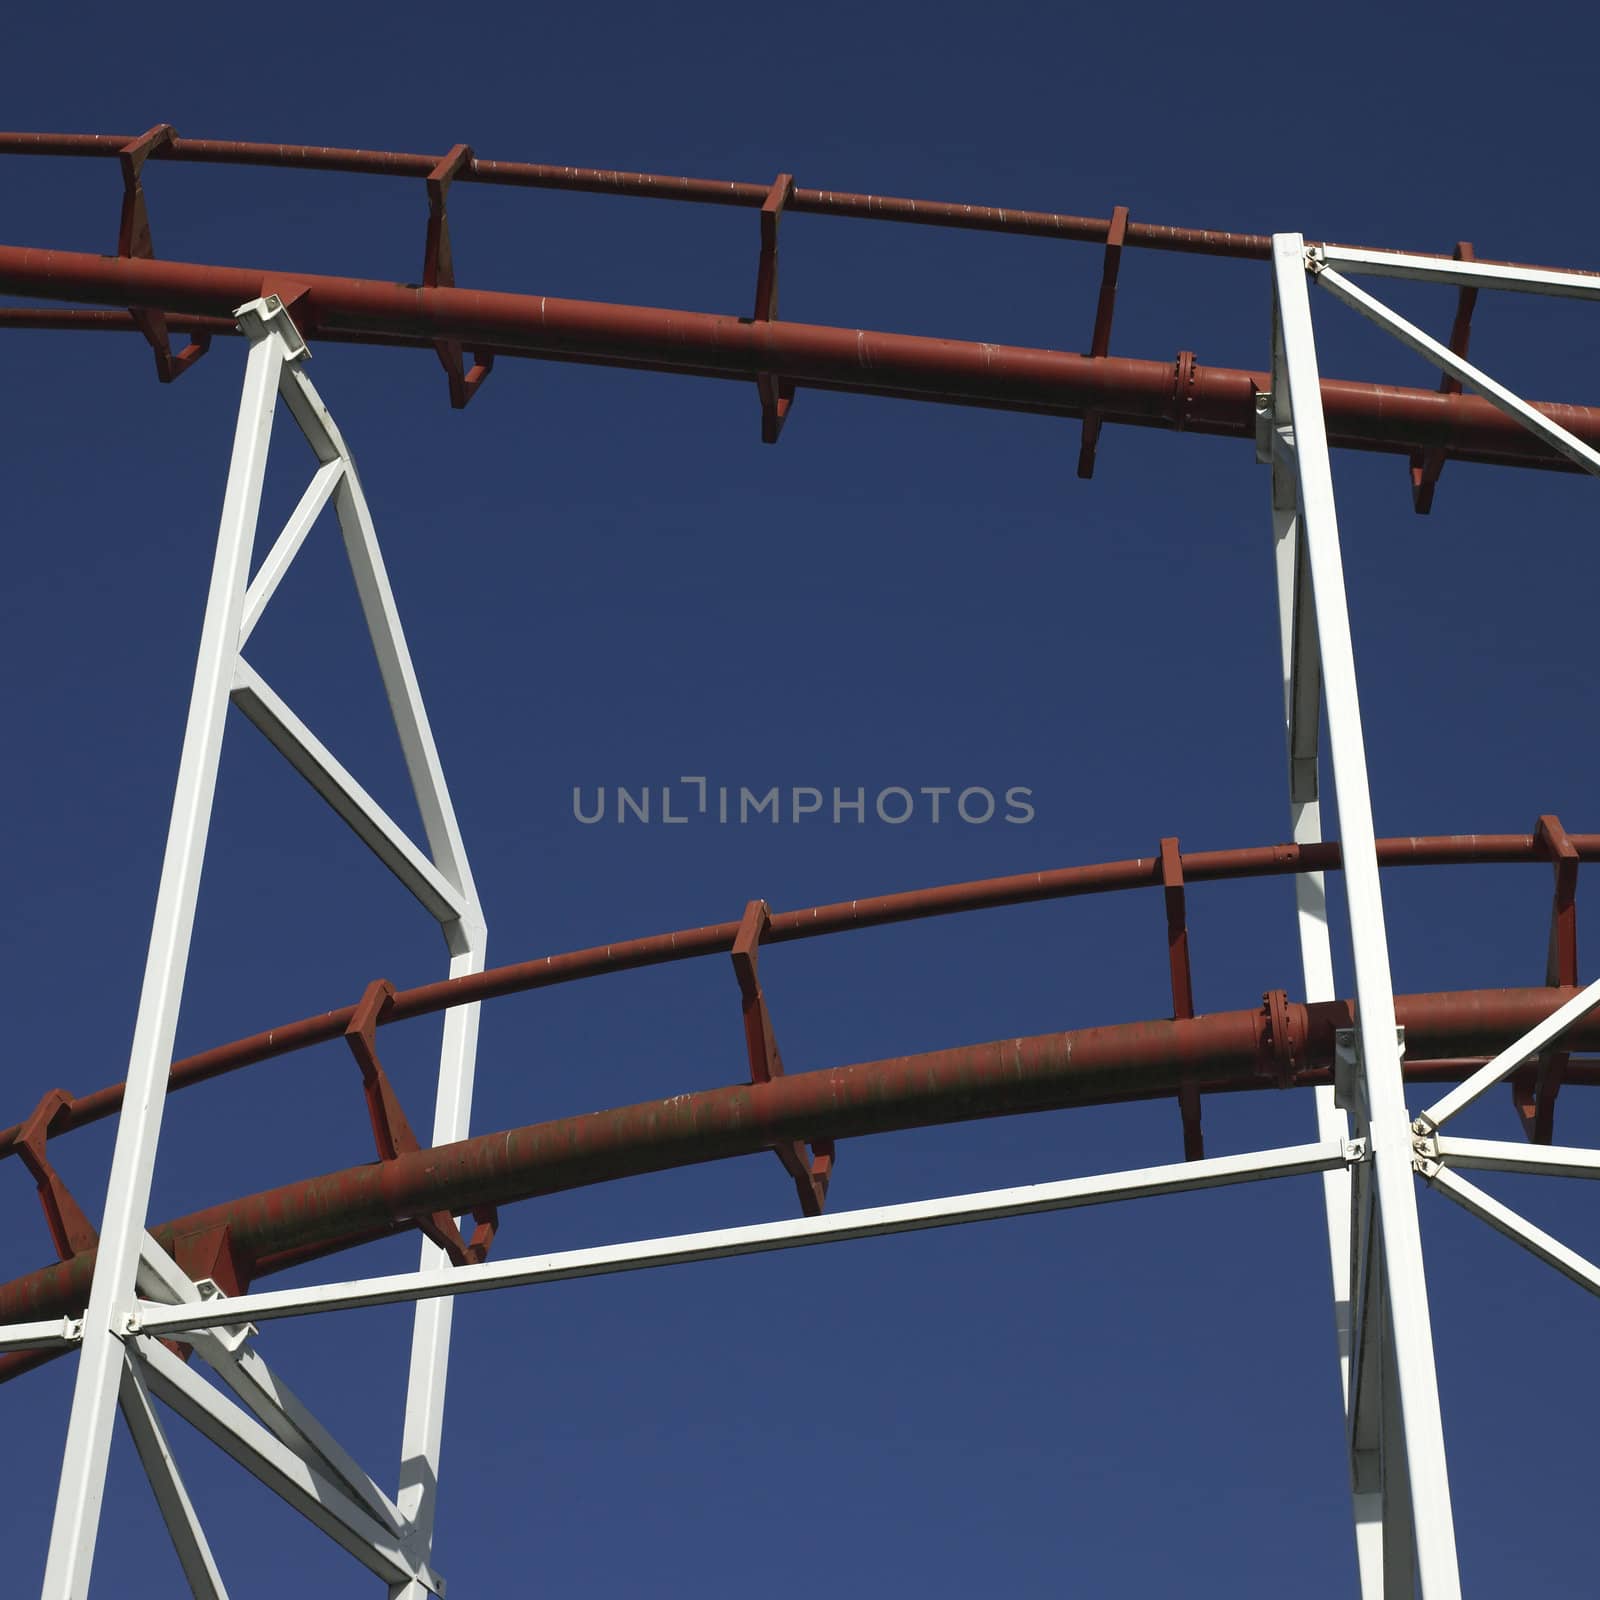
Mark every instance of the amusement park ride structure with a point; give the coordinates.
(131, 1300)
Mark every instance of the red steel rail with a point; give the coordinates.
(1162, 394)
(1060, 883)
(164, 144)
(1280, 1045)
(197, 302)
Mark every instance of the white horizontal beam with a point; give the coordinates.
(988, 1206)
(60, 1333)
(1515, 1227)
(1498, 1155)
(1429, 348)
(366, 818)
(287, 546)
(1464, 274)
(161, 1468)
(1512, 1057)
(299, 1484)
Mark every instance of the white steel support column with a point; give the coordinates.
(439, 877)
(1382, 1085)
(1302, 713)
(100, 1362)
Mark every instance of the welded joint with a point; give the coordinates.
(269, 316)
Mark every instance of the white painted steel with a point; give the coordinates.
(911, 1216)
(99, 1375)
(370, 823)
(1495, 1155)
(1512, 1057)
(1390, 1130)
(1515, 1227)
(1302, 714)
(1471, 377)
(316, 1497)
(423, 1430)
(281, 556)
(279, 1409)
(161, 1468)
(1464, 274)
(60, 1333)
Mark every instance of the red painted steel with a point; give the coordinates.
(654, 186)
(1157, 394)
(1197, 866)
(1280, 1044)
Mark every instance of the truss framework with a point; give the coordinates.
(1369, 1147)
(281, 1443)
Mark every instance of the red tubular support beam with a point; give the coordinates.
(1145, 393)
(1227, 1051)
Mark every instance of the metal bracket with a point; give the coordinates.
(439, 272)
(811, 1172)
(1347, 1090)
(1534, 1086)
(1100, 345)
(270, 315)
(1426, 465)
(391, 1131)
(1194, 1147)
(777, 393)
(70, 1230)
(133, 241)
(1425, 1148)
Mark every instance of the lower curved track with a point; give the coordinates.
(1278, 1045)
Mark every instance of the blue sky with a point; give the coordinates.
(607, 579)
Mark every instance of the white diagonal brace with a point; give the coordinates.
(99, 1376)
(1464, 274)
(1512, 1057)
(281, 556)
(366, 818)
(1514, 1226)
(599, 1261)
(277, 1406)
(177, 1510)
(465, 935)
(238, 1434)
(1389, 1125)
(1459, 368)
(400, 682)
